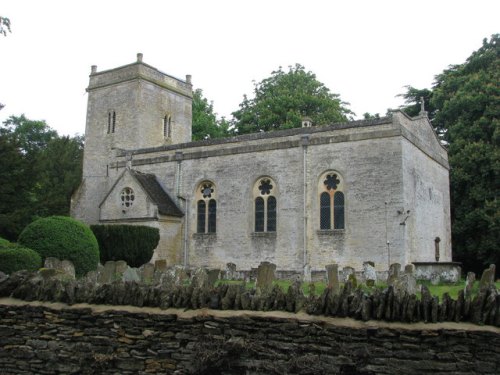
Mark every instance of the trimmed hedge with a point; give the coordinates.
(4, 243)
(15, 258)
(63, 238)
(134, 244)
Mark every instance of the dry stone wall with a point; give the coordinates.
(47, 338)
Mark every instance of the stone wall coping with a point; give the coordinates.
(437, 263)
(300, 317)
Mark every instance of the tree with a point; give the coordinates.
(4, 25)
(467, 97)
(205, 122)
(285, 98)
(464, 105)
(39, 172)
(60, 171)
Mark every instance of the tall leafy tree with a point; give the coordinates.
(39, 171)
(205, 122)
(282, 100)
(464, 107)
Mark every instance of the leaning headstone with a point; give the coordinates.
(406, 283)
(230, 271)
(469, 283)
(410, 269)
(394, 272)
(68, 268)
(265, 275)
(160, 265)
(131, 275)
(107, 273)
(369, 273)
(52, 262)
(487, 278)
(332, 274)
(121, 267)
(212, 276)
(147, 272)
(199, 278)
(346, 272)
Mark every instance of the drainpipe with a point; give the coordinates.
(178, 158)
(186, 230)
(304, 141)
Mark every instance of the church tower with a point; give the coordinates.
(130, 107)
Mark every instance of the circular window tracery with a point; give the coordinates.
(127, 197)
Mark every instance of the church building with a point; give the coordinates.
(370, 190)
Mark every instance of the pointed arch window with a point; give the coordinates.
(265, 205)
(331, 201)
(206, 208)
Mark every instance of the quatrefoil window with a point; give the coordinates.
(207, 190)
(265, 187)
(331, 181)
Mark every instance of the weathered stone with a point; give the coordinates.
(406, 283)
(346, 272)
(200, 278)
(369, 273)
(120, 267)
(107, 273)
(147, 273)
(469, 283)
(230, 271)
(213, 276)
(410, 269)
(487, 278)
(265, 275)
(51, 262)
(131, 275)
(332, 274)
(160, 265)
(394, 272)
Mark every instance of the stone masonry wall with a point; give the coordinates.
(45, 338)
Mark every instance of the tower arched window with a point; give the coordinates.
(206, 208)
(331, 201)
(265, 205)
(167, 126)
(111, 121)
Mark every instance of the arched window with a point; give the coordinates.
(265, 205)
(167, 126)
(111, 121)
(206, 208)
(331, 201)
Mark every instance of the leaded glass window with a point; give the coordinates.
(331, 201)
(127, 197)
(259, 214)
(265, 205)
(206, 210)
(338, 210)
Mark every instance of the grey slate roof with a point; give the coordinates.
(155, 191)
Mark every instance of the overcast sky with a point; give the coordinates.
(366, 51)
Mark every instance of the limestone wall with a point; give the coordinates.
(47, 338)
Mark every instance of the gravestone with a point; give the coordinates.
(487, 278)
(469, 283)
(230, 271)
(147, 273)
(212, 276)
(160, 265)
(332, 274)
(199, 278)
(52, 262)
(394, 272)
(108, 273)
(410, 269)
(369, 273)
(120, 267)
(131, 275)
(346, 272)
(265, 275)
(407, 282)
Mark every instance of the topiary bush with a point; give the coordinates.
(15, 258)
(4, 242)
(134, 244)
(63, 238)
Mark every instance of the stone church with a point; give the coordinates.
(371, 190)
